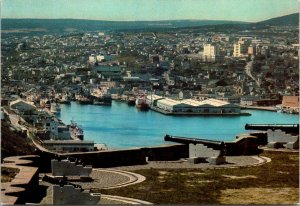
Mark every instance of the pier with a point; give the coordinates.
(156, 109)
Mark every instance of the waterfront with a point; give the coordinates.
(122, 126)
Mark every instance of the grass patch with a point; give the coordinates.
(8, 174)
(212, 186)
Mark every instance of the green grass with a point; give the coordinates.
(196, 186)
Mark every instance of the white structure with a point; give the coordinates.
(210, 53)
(92, 59)
(152, 99)
(100, 58)
(200, 152)
(69, 145)
(208, 106)
(238, 50)
(277, 137)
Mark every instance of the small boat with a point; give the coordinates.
(131, 101)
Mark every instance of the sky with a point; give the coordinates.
(139, 10)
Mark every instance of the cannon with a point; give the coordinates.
(214, 144)
(288, 128)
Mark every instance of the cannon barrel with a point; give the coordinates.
(289, 128)
(185, 140)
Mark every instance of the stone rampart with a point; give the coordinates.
(67, 168)
(25, 185)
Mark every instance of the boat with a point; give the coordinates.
(76, 131)
(55, 108)
(131, 101)
(103, 99)
(101, 96)
(141, 103)
(65, 99)
(82, 99)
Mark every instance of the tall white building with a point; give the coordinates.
(237, 50)
(240, 49)
(210, 52)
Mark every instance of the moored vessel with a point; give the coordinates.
(141, 103)
(55, 108)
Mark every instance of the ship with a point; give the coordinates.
(101, 97)
(82, 99)
(55, 108)
(65, 99)
(141, 103)
(131, 101)
(76, 131)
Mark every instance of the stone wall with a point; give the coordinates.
(133, 156)
(66, 168)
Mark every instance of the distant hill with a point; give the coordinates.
(291, 19)
(65, 25)
(36, 26)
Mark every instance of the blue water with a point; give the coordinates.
(123, 126)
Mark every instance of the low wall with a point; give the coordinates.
(24, 187)
(134, 156)
(244, 145)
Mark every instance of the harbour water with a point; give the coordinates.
(121, 126)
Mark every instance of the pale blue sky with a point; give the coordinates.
(134, 10)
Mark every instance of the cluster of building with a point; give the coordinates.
(51, 132)
(246, 67)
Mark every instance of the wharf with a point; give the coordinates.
(272, 109)
(197, 114)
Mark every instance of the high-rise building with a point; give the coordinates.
(210, 52)
(240, 49)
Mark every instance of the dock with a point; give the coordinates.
(197, 113)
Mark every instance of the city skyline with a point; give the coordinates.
(149, 10)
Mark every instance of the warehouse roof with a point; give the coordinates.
(191, 102)
(169, 102)
(215, 102)
(154, 97)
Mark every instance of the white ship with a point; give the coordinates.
(55, 108)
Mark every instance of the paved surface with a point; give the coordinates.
(104, 179)
(232, 161)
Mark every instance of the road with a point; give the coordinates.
(248, 69)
